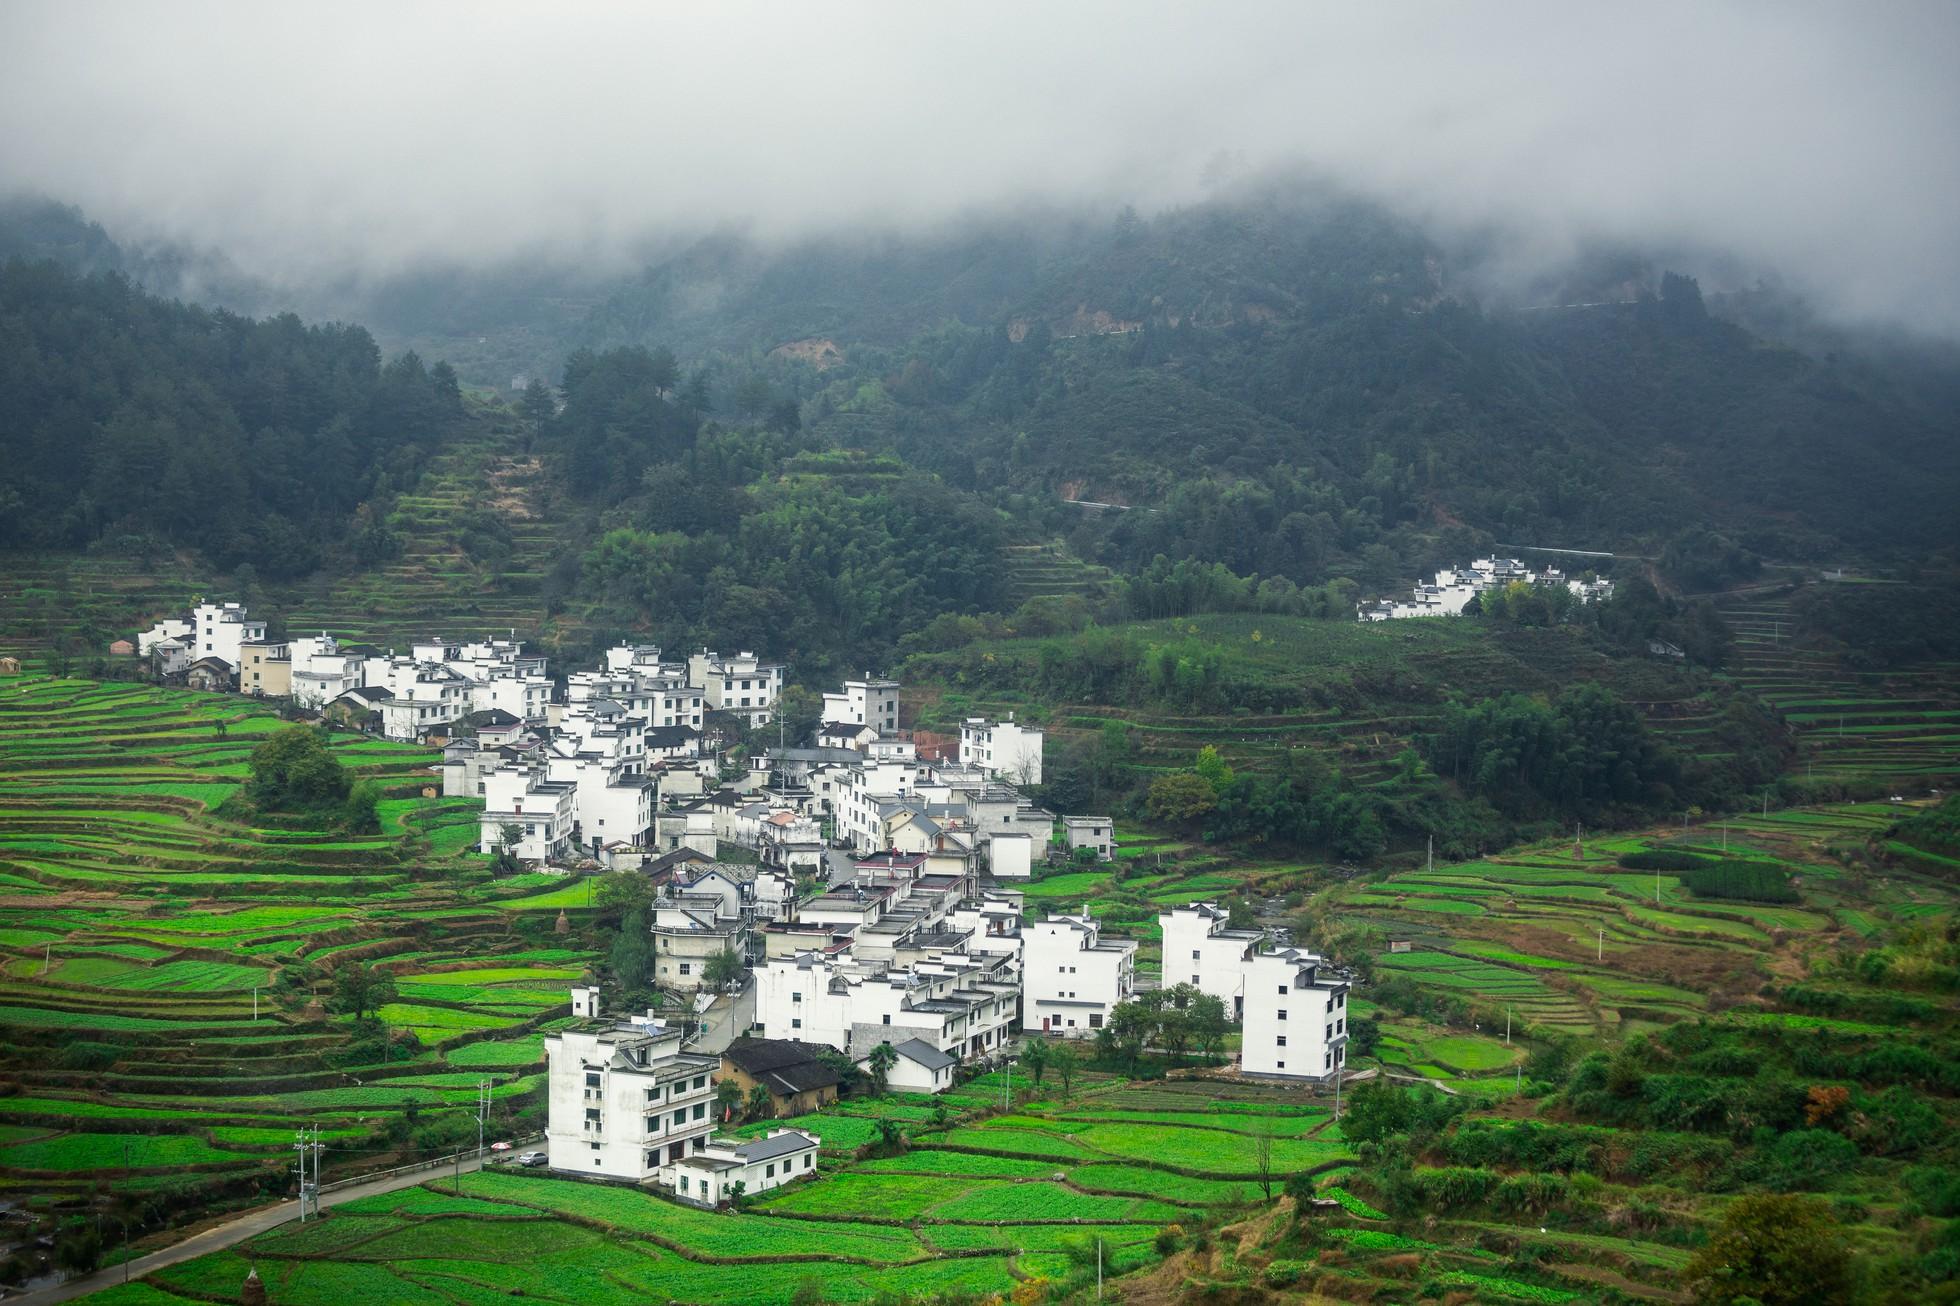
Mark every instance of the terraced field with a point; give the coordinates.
(1898, 727)
(942, 1217)
(162, 967)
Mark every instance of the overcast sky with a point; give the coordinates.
(1822, 140)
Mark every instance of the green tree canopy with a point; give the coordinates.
(295, 771)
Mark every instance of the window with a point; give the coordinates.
(700, 1081)
(796, 1022)
(807, 1160)
(1281, 1013)
(1282, 1040)
(687, 968)
(1095, 1020)
(1194, 979)
(592, 1079)
(1279, 1065)
(680, 1116)
(770, 1172)
(796, 997)
(684, 1183)
(1282, 990)
(888, 1018)
(700, 1109)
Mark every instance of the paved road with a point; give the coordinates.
(225, 1235)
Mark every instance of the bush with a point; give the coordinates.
(1662, 859)
(1741, 881)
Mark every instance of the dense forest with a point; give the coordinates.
(150, 424)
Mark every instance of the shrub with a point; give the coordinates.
(1662, 859)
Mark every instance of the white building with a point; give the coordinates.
(217, 629)
(1200, 949)
(1295, 1016)
(1002, 748)
(1071, 976)
(866, 702)
(1450, 593)
(1011, 856)
(959, 1004)
(1096, 833)
(167, 629)
(709, 1177)
(544, 813)
(624, 1102)
(920, 1068)
(322, 671)
(743, 684)
(691, 929)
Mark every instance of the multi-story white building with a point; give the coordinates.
(691, 929)
(743, 684)
(1295, 1016)
(624, 1102)
(859, 797)
(322, 670)
(217, 629)
(867, 702)
(1202, 950)
(1071, 976)
(544, 812)
(1004, 749)
(964, 1005)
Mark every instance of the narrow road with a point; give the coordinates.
(230, 1233)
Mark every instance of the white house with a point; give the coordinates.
(864, 702)
(624, 1102)
(1071, 976)
(217, 629)
(709, 1177)
(1096, 833)
(920, 1068)
(1200, 949)
(689, 930)
(168, 628)
(963, 1005)
(1002, 748)
(322, 671)
(544, 812)
(743, 684)
(1011, 856)
(1295, 1016)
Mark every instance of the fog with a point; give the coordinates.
(311, 141)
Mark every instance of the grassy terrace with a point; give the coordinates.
(158, 962)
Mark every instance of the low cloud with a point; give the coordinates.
(315, 141)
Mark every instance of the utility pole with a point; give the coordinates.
(1006, 1083)
(1098, 1269)
(1602, 944)
(1507, 1025)
(482, 1113)
(255, 1002)
(1432, 853)
(1337, 1083)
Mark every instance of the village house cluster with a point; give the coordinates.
(1450, 593)
(862, 882)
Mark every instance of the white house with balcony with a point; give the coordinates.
(691, 929)
(543, 812)
(743, 684)
(624, 1102)
(1004, 749)
(1202, 950)
(1296, 1008)
(1072, 977)
(963, 1005)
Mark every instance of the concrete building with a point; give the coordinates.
(743, 684)
(688, 931)
(265, 669)
(963, 1005)
(1295, 1016)
(1096, 833)
(1003, 749)
(1201, 950)
(544, 813)
(867, 702)
(1071, 976)
(920, 1068)
(710, 1177)
(217, 629)
(623, 1101)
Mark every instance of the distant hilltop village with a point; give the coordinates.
(1452, 590)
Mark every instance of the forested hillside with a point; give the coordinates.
(150, 425)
